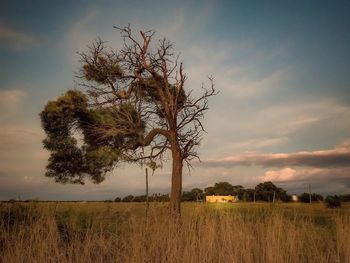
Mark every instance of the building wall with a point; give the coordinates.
(295, 198)
(220, 198)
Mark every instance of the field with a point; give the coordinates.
(122, 232)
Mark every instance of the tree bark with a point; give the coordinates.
(176, 182)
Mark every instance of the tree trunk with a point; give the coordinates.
(176, 183)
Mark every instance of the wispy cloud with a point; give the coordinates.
(337, 157)
(11, 101)
(319, 175)
(21, 150)
(14, 39)
(11, 97)
(83, 31)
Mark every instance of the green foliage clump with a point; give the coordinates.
(195, 194)
(117, 199)
(333, 201)
(128, 198)
(345, 198)
(267, 191)
(70, 115)
(147, 90)
(140, 198)
(222, 188)
(305, 198)
(103, 70)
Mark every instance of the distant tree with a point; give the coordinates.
(140, 198)
(158, 197)
(128, 198)
(316, 197)
(333, 201)
(248, 195)
(305, 197)
(194, 195)
(164, 198)
(222, 188)
(117, 199)
(345, 198)
(188, 196)
(198, 192)
(284, 197)
(238, 191)
(267, 191)
(208, 190)
(133, 107)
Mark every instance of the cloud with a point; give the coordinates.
(323, 176)
(337, 157)
(83, 31)
(11, 98)
(14, 39)
(285, 174)
(21, 149)
(259, 143)
(11, 101)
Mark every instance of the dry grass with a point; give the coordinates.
(98, 232)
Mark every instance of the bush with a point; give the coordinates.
(333, 201)
(128, 198)
(117, 199)
(140, 198)
(345, 198)
(305, 198)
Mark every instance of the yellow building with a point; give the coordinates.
(220, 199)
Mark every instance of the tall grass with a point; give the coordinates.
(207, 233)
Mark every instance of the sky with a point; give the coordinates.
(282, 68)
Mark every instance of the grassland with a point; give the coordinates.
(120, 232)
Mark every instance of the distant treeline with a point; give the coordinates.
(266, 191)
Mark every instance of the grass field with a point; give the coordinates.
(121, 232)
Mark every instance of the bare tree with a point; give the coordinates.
(143, 108)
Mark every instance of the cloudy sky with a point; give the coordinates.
(282, 68)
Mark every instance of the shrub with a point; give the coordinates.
(305, 197)
(333, 201)
(128, 198)
(140, 198)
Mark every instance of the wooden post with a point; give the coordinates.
(310, 193)
(254, 197)
(274, 196)
(147, 189)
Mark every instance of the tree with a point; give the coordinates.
(267, 191)
(222, 188)
(305, 197)
(238, 191)
(132, 108)
(333, 201)
(195, 194)
(248, 195)
(199, 193)
(128, 198)
(140, 198)
(345, 198)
